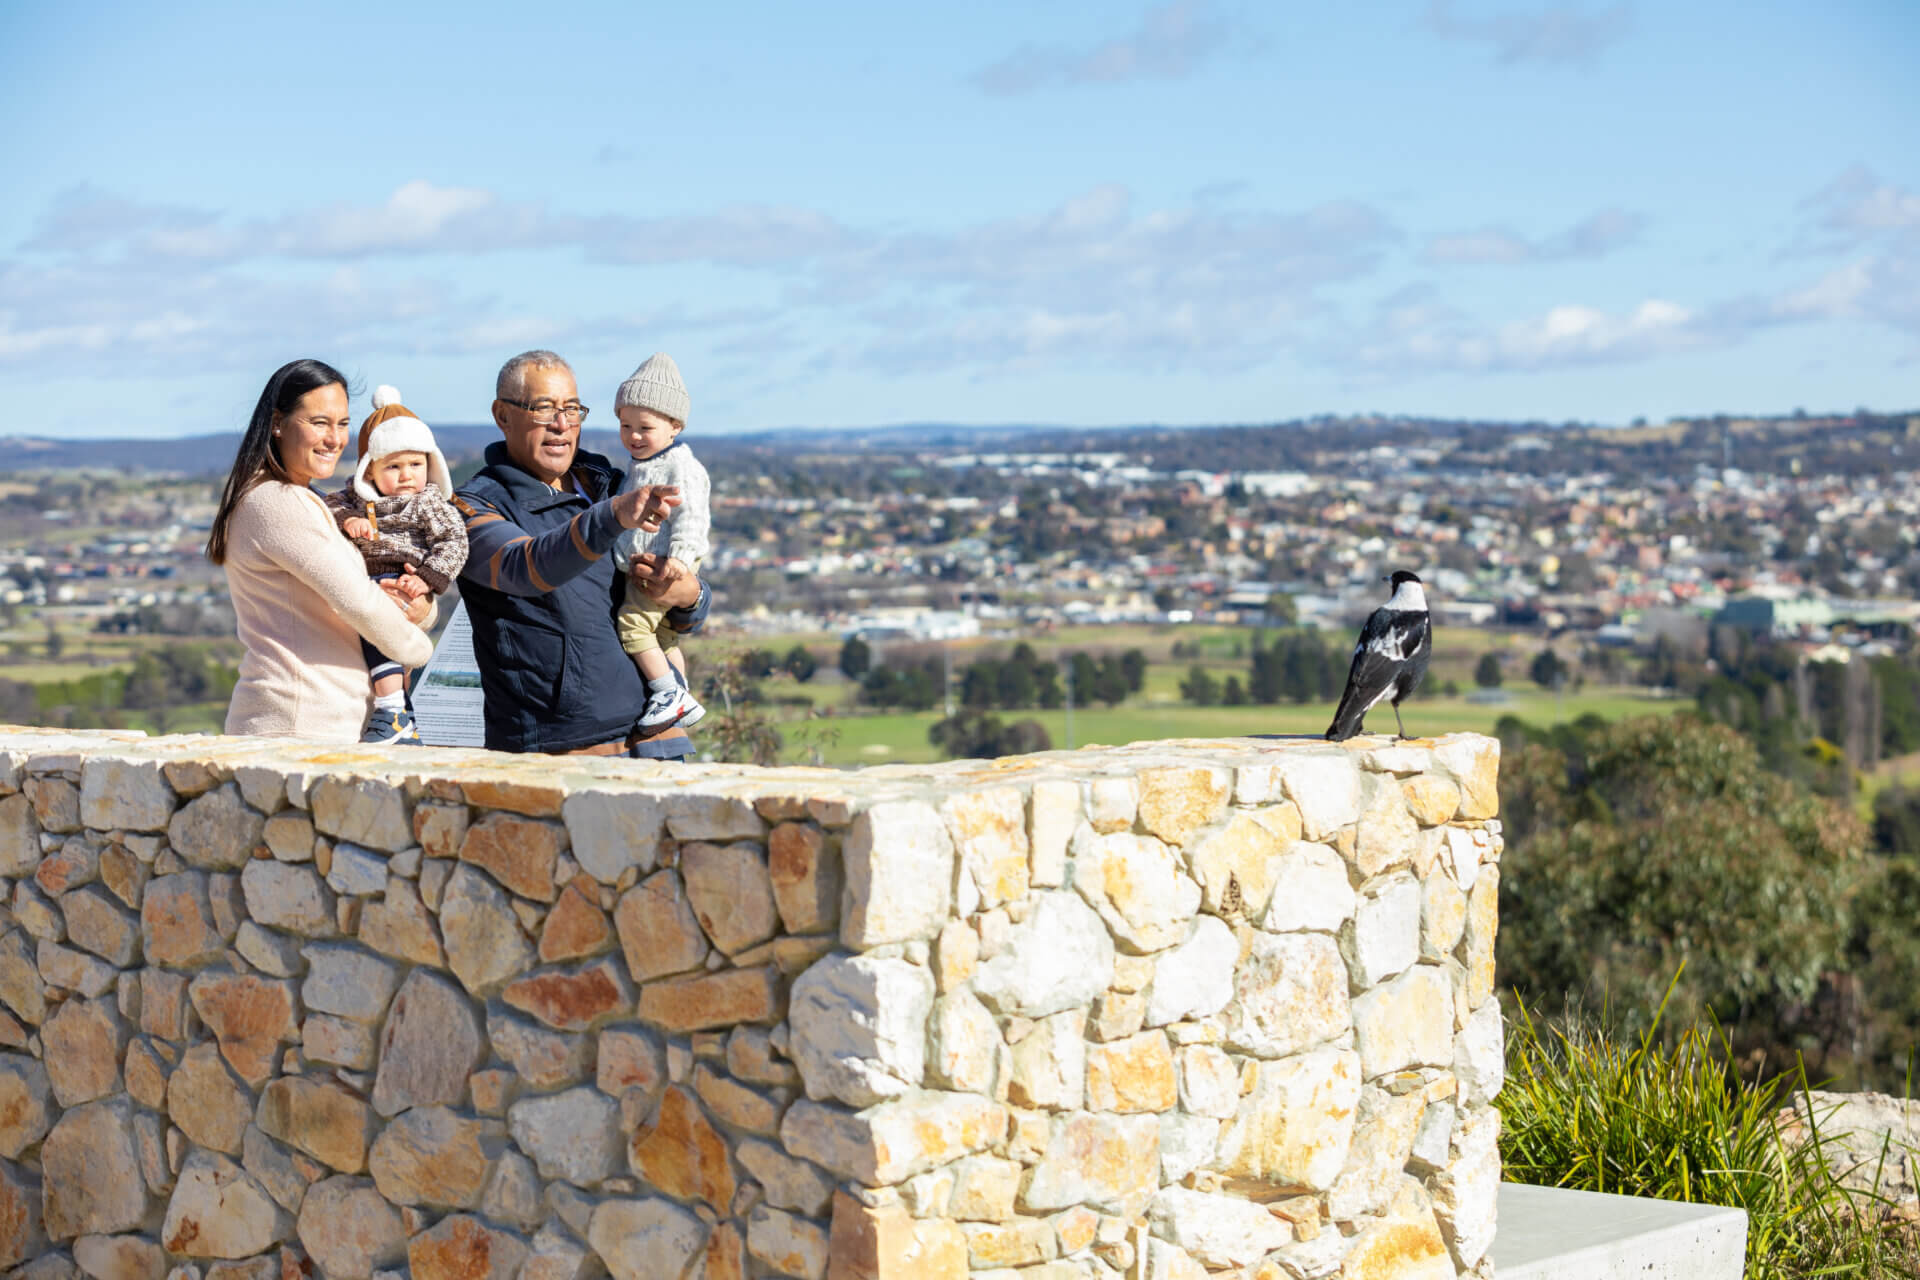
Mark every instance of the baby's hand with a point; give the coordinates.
(414, 586)
(357, 527)
(671, 571)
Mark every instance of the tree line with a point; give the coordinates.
(915, 678)
(1818, 721)
(1295, 665)
(162, 681)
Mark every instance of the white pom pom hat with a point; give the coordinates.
(392, 428)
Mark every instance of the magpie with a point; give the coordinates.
(1389, 660)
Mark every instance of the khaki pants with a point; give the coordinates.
(640, 621)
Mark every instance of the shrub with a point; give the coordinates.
(971, 732)
(855, 658)
(1635, 846)
(1199, 688)
(799, 663)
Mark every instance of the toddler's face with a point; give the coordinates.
(644, 432)
(399, 474)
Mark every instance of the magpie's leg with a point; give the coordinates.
(1396, 722)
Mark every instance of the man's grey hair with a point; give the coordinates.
(512, 382)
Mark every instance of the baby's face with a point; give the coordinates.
(644, 432)
(399, 474)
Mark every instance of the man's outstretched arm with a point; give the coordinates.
(505, 557)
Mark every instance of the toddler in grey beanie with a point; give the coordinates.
(652, 405)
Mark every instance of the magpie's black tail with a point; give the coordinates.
(1348, 717)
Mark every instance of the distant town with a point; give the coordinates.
(1798, 526)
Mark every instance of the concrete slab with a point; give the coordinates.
(1549, 1233)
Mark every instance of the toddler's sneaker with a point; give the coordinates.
(392, 728)
(671, 706)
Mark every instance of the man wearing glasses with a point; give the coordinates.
(539, 587)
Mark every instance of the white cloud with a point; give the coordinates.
(1490, 245)
(417, 217)
(1592, 237)
(1572, 333)
(1882, 288)
(1871, 224)
(86, 218)
(1415, 331)
(1835, 295)
(1561, 33)
(1097, 281)
(743, 236)
(116, 319)
(420, 218)
(1097, 246)
(1858, 204)
(1172, 42)
(1876, 226)
(19, 344)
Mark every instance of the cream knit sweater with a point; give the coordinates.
(303, 600)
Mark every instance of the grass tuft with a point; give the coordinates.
(1673, 1118)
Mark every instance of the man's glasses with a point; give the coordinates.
(545, 412)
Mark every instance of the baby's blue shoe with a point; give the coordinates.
(391, 727)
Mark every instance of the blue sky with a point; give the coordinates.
(855, 214)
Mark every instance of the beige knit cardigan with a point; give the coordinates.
(303, 600)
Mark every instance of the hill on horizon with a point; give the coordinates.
(213, 451)
(1245, 445)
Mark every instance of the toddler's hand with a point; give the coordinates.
(649, 572)
(357, 527)
(416, 608)
(414, 586)
(671, 572)
(650, 575)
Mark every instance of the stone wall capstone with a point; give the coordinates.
(271, 1010)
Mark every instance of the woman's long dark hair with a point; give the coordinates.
(259, 457)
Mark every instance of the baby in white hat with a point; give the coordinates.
(399, 514)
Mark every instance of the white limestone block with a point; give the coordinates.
(898, 860)
(1310, 891)
(1194, 979)
(1061, 956)
(859, 1026)
(1219, 1230)
(1385, 937)
(1137, 885)
(1325, 785)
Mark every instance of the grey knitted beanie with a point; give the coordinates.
(655, 385)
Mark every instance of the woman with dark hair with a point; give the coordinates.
(300, 592)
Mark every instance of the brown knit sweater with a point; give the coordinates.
(420, 529)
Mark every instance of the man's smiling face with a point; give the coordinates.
(543, 449)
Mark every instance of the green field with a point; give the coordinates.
(44, 672)
(847, 734)
(83, 653)
(897, 738)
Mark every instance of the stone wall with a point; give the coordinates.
(1168, 1010)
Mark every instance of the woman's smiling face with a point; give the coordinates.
(313, 434)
